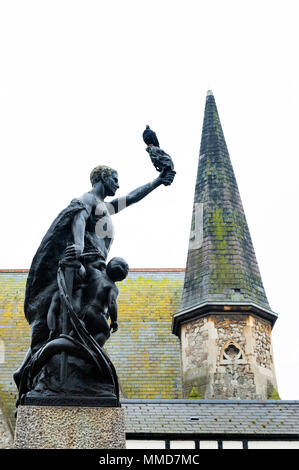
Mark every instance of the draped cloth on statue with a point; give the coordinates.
(42, 277)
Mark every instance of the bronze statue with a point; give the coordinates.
(70, 296)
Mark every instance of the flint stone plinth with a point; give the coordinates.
(70, 427)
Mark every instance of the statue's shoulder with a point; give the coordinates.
(87, 200)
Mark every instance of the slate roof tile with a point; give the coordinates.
(232, 417)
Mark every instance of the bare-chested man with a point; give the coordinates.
(92, 229)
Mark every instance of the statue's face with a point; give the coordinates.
(111, 183)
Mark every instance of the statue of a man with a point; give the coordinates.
(83, 230)
(81, 235)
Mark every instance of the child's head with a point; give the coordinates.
(117, 269)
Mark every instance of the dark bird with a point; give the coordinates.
(150, 137)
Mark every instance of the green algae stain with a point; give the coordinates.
(272, 393)
(219, 228)
(225, 273)
(194, 393)
(239, 225)
(221, 265)
(218, 130)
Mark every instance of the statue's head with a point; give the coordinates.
(117, 269)
(107, 176)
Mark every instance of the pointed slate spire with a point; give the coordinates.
(221, 265)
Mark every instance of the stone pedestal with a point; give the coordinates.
(70, 427)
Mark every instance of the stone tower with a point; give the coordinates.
(225, 321)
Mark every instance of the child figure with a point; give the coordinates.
(100, 300)
(103, 292)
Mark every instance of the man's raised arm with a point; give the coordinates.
(139, 193)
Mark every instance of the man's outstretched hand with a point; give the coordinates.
(167, 177)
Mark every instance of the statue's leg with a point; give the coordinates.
(104, 333)
(52, 316)
(18, 373)
(77, 300)
(39, 334)
(101, 339)
(97, 325)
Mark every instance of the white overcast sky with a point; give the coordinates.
(80, 79)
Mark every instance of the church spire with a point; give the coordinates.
(221, 264)
(225, 321)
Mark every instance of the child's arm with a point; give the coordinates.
(112, 308)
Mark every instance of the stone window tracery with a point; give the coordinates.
(232, 353)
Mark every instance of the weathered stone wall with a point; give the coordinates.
(196, 358)
(228, 356)
(263, 343)
(6, 439)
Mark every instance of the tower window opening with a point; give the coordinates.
(232, 353)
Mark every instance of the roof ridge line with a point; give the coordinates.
(206, 402)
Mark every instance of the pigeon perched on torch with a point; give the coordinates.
(160, 159)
